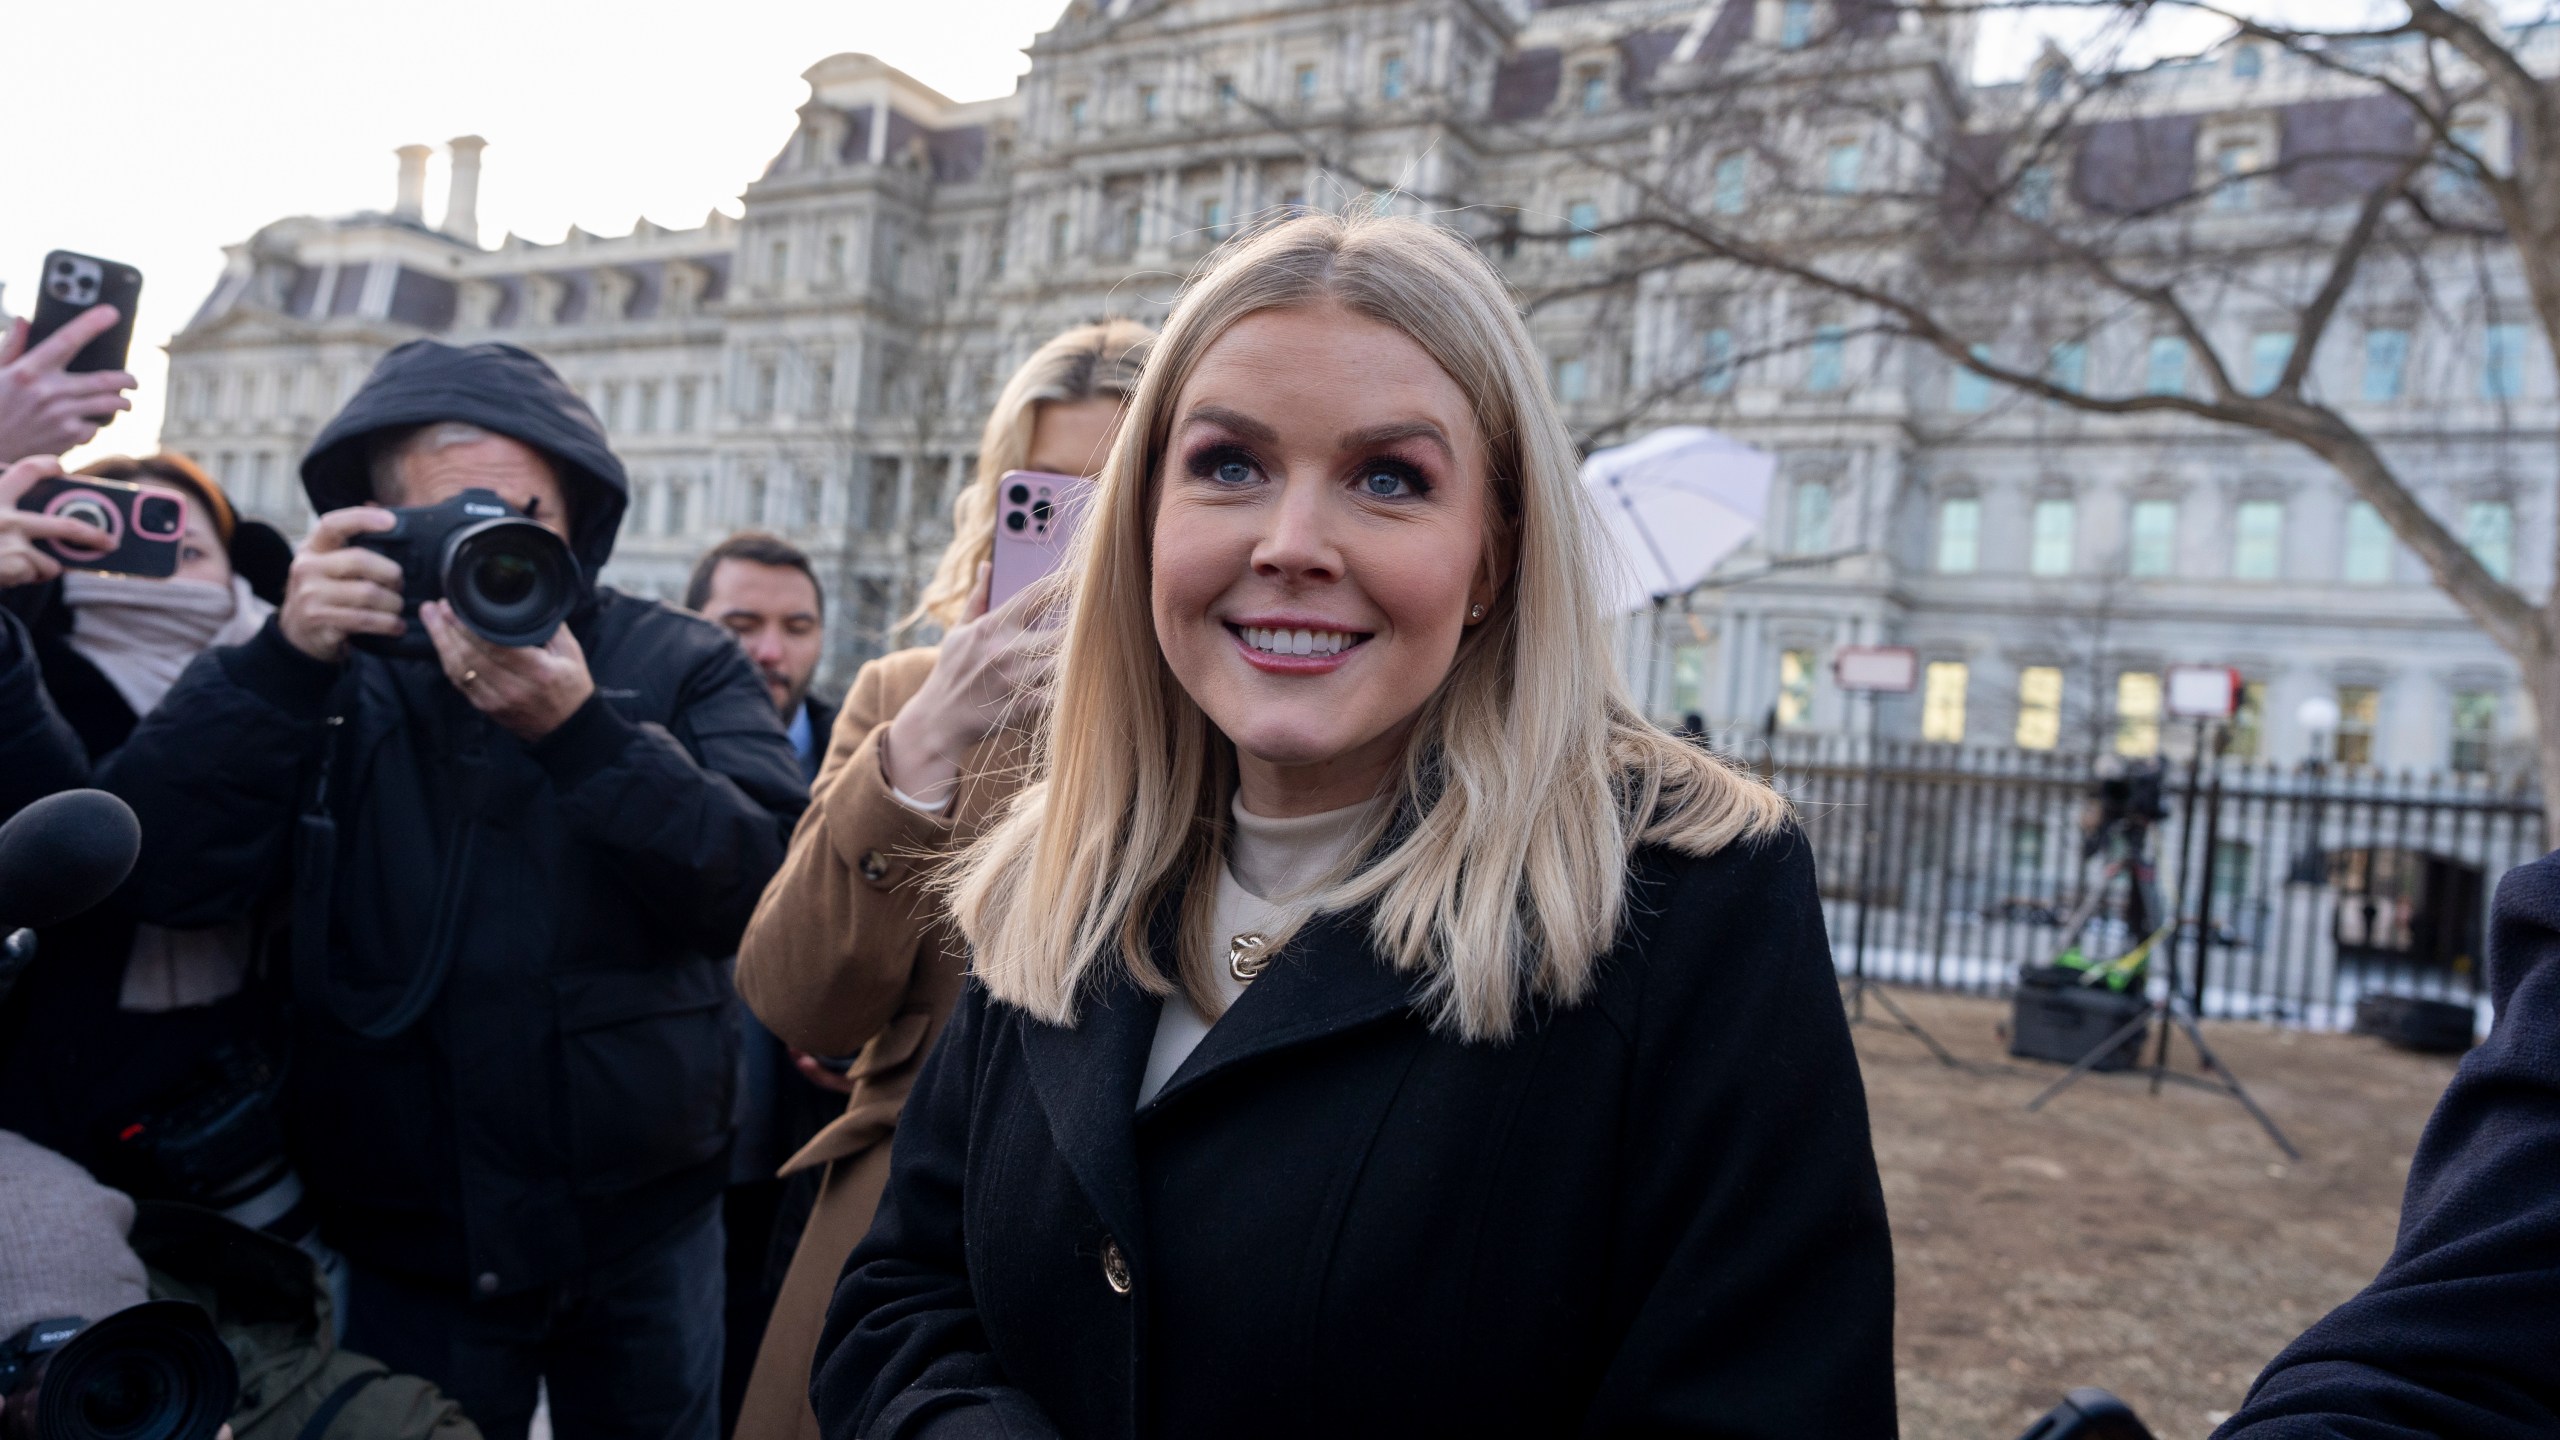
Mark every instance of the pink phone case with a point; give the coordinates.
(1036, 516)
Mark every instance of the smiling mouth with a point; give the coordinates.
(1317, 644)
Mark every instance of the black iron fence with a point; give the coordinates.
(2299, 889)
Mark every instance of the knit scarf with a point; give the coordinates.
(141, 633)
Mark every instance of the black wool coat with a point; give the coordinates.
(1653, 1213)
(2460, 1333)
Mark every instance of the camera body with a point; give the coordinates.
(144, 523)
(508, 578)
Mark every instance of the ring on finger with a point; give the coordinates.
(468, 676)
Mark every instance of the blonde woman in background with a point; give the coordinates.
(848, 952)
(1375, 1026)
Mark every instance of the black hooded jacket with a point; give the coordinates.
(552, 914)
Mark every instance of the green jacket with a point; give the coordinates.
(271, 1307)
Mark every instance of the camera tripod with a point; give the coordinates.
(2172, 1013)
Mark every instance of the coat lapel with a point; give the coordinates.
(1326, 982)
(1087, 1079)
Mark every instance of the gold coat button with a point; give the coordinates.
(1115, 1267)
(874, 867)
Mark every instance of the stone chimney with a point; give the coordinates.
(462, 203)
(412, 203)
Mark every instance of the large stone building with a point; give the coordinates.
(819, 365)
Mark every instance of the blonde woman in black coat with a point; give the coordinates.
(1377, 1027)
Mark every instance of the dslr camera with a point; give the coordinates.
(507, 577)
(154, 1372)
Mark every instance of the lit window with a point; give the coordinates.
(1715, 364)
(1795, 689)
(1584, 218)
(2475, 729)
(2068, 364)
(1812, 530)
(2055, 531)
(2386, 363)
(1732, 185)
(2367, 560)
(1959, 535)
(2247, 63)
(2269, 352)
(2489, 529)
(1827, 366)
(1971, 393)
(2164, 367)
(1942, 702)
(1573, 379)
(2502, 362)
(1306, 84)
(1688, 678)
(2248, 721)
(2153, 551)
(2233, 164)
(1795, 24)
(2033, 199)
(2138, 714)
(2359, 714)
(1841, 165)
(2257, 540)
(1391, 78)
(1594, 90)
(2039, 707)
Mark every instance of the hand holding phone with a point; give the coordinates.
(75, 285)
(107, 525)
(21, 561)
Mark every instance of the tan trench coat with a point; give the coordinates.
(847, 951)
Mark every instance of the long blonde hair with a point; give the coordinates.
(1092, 360)
(1499, 870)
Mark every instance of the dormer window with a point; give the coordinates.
(1795, 24)
(2248, 63)
(2051, 79)
(1591, 87)
(2235, 161)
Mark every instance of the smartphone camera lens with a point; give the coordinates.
(1040, 511)
(159, 516)
(1019, 494)
(1014, 520)
(91, 511)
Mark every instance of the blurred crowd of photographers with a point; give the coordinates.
(403, 1079)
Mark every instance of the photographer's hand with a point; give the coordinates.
(528, 690)
(21, 563)
(335, 591)
(44, 408)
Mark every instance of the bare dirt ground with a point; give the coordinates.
(2162, 1248)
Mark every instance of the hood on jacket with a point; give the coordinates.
(500, 388)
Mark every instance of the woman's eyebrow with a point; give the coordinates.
(1244, 425)
(1395, 431)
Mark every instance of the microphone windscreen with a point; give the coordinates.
(63, 854)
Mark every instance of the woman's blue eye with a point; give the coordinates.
(1385, 484)
(1232, 472)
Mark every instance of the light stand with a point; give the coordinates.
(1860, 986)
(2171, 1009)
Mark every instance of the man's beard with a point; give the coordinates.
(793, 694)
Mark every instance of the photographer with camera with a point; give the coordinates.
(520, 832)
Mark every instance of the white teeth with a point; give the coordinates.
(1295, 642)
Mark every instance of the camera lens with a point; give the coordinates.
(154, 1372)
(160, 516)
(1040, 511)
(1019, 494)
(89, 510)
(125, 1394)
(1014, 520)
(511, 581)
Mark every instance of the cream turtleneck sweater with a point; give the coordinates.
(1268, 863)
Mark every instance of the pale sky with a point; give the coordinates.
(194, 122)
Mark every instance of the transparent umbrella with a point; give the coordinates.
(1675, 504)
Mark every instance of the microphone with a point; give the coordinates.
(63, 854)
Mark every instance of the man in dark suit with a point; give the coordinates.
(763, 590)
(2460, 1333)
